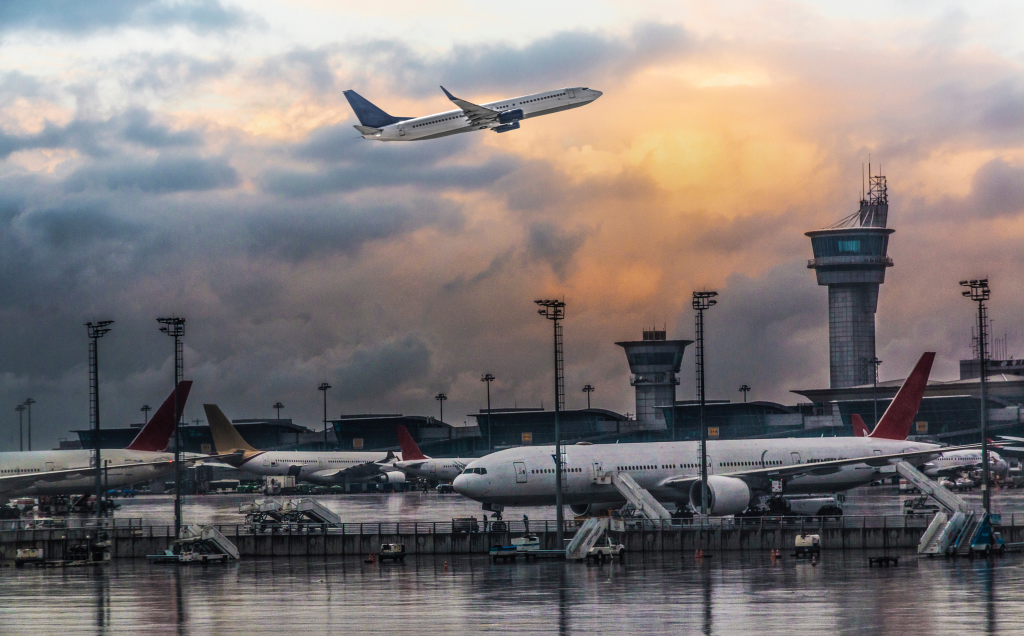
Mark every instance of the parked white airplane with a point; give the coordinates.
(500, 116)
(73, 472)
(738, 470)
(326, 468)
(415, 463)
(947, 464)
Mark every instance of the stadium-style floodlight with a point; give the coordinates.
(323, 387)
(175, 328)
(488, 378)
(145, 413)
(278, 406)
(554, 310)
(702, 301)
(28, 404)
(978, 291)
(588, 390)
(875, 363)
(744, 389)
(96, 331)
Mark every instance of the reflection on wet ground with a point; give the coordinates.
(647, 594)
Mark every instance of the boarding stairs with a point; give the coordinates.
(643, 501)
(586, 537)
(212, 538)
(310, 510)
(950, 528)
(968, 534)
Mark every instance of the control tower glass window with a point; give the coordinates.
(849, 246)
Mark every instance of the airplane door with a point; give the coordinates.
(49, 465)
(294, 471)
(520, 472)
(401, 130)
(796, 457)
(571, 91)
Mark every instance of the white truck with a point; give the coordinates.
(605, 551)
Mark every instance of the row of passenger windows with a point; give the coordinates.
(437, 121)
(722, 464)
(551, 471)
(502, 107)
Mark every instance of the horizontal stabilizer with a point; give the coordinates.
(368, 130)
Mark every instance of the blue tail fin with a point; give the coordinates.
(368, 114)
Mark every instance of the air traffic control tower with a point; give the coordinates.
(654, 363)
(850, 257)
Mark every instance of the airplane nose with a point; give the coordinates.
(461, 485)
(596, 93)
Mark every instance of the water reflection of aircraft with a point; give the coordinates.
(414, 462)
(73, 472)
(739, 471)
(320, 467)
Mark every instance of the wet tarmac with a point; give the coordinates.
(645, 594)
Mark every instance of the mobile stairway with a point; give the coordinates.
(954, 527)
(586, 537)
(643, 501)
(308, 511)
(198, 544)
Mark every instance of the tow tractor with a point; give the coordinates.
(606, 551)
(392, 552)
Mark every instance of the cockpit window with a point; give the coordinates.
(475, 471)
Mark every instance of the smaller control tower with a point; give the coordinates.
(850, 257)
(654, 363)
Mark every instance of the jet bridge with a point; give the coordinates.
(643, 501)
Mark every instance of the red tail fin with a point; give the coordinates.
(409, 448)
(860, 429)
(899, 417)
(155, 436)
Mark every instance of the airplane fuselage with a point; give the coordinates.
(525, 475)
(122, 467)
(313, 466)
(455, 121)
(949, 463)
(444, 469)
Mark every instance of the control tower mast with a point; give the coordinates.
(850, 258)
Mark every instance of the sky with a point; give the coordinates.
(197, 158)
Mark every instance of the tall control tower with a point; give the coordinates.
(850, 257)
(654, 363)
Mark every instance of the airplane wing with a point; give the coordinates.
(10, 483)
(474, 113)
(761, 477)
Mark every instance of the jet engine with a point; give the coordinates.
(391, 477)
(509, 116)
(582, 510)
(727, 495)
(506, 127)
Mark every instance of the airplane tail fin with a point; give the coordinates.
(860, 429)
(226, 438)
(155, 436)
(409, 448)
(368, 114)
(899, 417)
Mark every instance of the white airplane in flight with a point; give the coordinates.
(325, 468)
(947, 464)
(73, 472)
(739, 471)
(500, 116)
(415, 463)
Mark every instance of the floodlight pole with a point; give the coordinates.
(441, 397)
(28, 404)
(175, 328)
(744, 389)
(554, 310)
(323, 387)
(145, 413)
(488, 378)
(278, 406)
(21, 428)
(95, 332)
(702, 300)
(978, 291)
(874, 362)
(588, 390)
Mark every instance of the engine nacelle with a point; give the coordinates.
(583, 510)
(391, 477)
(509, 116)
(726, 495)
(507, 127)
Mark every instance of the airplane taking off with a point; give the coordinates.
(73, 472)
(500, 116)
(325, 468)
(415, 463)
(739, 471)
